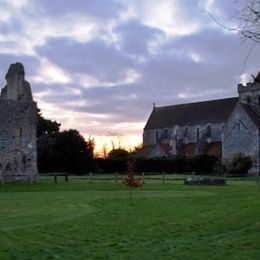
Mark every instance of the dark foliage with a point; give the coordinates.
(111, 165)
(198, 164)
(71, 153)
(46, 134)
(118, 154)
(238, 165)
(203, 163)
(46, 126)
(65, 151)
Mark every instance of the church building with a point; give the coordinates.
(222, 128)
(18, 124)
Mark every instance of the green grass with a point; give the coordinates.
(82, 220)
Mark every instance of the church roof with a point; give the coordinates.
(213, 111)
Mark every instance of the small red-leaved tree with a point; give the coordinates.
(131, 181)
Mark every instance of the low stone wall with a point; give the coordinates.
(204, 181)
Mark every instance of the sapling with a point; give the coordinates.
(131, 181)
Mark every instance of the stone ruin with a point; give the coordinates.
(18, 126)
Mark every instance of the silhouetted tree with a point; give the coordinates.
(65, 151)
(46, 126)
(46, 134)
(71, 153)
(118, 154)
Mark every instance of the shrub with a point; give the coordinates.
(199, 164)
(204, 163)
(238, 165)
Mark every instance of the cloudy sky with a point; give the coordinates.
(98, 65)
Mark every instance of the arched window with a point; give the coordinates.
(258, 101)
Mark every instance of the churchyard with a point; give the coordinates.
(93, 219)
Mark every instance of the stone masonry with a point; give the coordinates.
(18, 125)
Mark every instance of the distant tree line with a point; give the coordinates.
(117, 161)
(68, 151)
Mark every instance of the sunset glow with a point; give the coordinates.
(103, 144)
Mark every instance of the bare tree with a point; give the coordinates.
(248, 16)
(119, 139)
(105, 151)
(250, 20)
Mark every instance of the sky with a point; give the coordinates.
(99, 65)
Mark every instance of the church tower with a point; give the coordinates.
(250, 94)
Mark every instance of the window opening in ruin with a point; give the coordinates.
(258, 101)
(18, 137)
(8, 167)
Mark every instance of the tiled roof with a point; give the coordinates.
(213, 111)
(144, 152)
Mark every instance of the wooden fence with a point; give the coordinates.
(143, 177)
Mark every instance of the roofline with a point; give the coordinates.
(199, 102)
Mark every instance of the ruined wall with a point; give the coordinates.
(18, 124)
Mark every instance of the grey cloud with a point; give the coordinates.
(99, 9)
(96, 58)
(166, 75)
(222, 62)
(13, 26)
(136, 37)
(100, 100)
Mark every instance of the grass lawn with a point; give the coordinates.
(82, 220)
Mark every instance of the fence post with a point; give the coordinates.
(116, 177)
(143, 178)
(163, 173)
(66, 177)
(257, 178)
(55, 177)
(90, 177)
